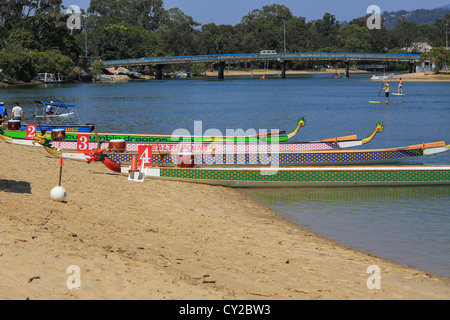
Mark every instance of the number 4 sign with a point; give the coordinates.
(145, 155)
(31, 131)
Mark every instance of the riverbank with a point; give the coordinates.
(424, 76)
(169, 240)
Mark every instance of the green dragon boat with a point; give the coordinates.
(279, 136)
(287, 177)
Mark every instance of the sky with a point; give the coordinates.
(231, 11)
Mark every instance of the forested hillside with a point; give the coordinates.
(34, 36)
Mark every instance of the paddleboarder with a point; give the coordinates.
(386, 90)
(400, 86)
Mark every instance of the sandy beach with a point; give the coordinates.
(424, 76)
(257, 73)
(169, 240)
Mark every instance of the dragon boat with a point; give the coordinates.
(284, 158)
(288, 177)
(259, 157)
(214, 146)
(72, 135)
(285, 177)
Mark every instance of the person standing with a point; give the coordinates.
(400, 86)
(17, 112)
(386, 91)
(3, 113)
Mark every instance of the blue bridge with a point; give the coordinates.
(222, 59)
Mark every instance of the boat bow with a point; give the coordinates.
(378, 128)
(300, 123)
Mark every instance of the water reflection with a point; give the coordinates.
(410, 225)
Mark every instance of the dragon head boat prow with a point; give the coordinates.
(97, 155)
(94, 155)
(3, 136)
(47, 144)
(379, 127)
(300, 123)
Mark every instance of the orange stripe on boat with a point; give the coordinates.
(426, 145)
(352, 137)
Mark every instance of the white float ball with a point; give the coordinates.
(58, 193)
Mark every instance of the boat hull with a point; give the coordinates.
(72, 135)
(325, 157)
(288, 177)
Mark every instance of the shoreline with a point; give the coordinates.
(170, 240)
(413, 77)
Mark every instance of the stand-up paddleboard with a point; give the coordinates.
(377, 101)
(397, 94)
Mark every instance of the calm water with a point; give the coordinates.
(409, 225)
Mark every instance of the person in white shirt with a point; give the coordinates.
(17, 112)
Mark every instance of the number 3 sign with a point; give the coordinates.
(83, 142)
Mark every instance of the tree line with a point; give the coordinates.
(34, 36)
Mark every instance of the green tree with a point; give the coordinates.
(440, 56)
(327, 29)
(142, 13)
(405, 33)
(16, 64)
(264, 28)
(52, 61)
(210, 39)
(121, 41)
(442, 26)
(354, 38)
(300, 35)
(232, 39)
(177, 33)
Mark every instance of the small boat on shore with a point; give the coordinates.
(49, 116)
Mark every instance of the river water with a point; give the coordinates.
(409, 225)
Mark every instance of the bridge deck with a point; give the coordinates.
(247, 57)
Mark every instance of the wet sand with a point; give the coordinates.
(169, 240)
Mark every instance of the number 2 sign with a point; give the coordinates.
(31, 131)
(83, 142)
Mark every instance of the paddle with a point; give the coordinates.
(98, 141)
(378, 97)
(40, 128)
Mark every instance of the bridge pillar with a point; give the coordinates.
(347, 69)
(159, 68)
(283, 69)
(221, 69)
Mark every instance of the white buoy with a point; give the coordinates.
(58, 193)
